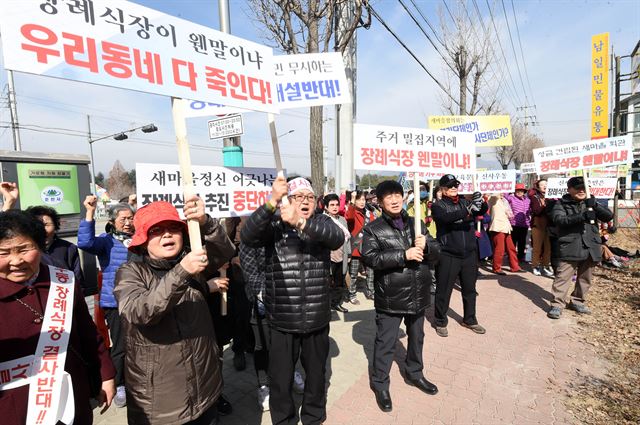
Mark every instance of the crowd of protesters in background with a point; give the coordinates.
(286, 266)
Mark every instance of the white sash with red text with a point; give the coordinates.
(50, 389)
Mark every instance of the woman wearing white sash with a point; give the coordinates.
(35, 367)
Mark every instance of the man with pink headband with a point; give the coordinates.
(298, 244)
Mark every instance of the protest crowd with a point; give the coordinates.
(284, 269)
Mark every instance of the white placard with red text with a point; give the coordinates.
(496, 181)
(227, 192)
(583, 155)
(383, 148)
(600, 187)
(312, 79)
(122, 44)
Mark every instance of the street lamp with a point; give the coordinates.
(149, 128)
(283, 134)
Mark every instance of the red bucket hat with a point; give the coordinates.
(150, 215)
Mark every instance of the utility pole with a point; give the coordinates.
(232, 150)
(616, 132)
(345, 113)
(17, 144)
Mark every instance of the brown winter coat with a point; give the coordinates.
(173, 371)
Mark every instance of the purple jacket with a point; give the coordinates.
(520, 208)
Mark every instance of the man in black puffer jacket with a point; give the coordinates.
(297, 252)
(578, 246)
(401, 280)
(455, 218)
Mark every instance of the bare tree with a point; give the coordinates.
(467, 55)
(307, 26)
(118, 183)
(522, 149)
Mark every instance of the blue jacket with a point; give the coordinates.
(111, 254)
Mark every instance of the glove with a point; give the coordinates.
(473, 208)
(476, 195)
(590, 202)
(590, 216)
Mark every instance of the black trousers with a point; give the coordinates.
(384, 347)
(519, 236)
(112, 317)
(209, 417)
(449, 269)
(339, 290)
(312, 349)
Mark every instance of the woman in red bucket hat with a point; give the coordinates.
(173, 371)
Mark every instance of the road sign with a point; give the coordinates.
(227, 126)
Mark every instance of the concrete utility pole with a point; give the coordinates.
(231, 151)
(345, 176)
(17, 144)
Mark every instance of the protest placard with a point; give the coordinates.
(488, 130)
(227, 192)
(227, 126)
(604, 188)
(615, 171)
(383, 148)
(496, 181)
(584, 155)
(528, 168)
(122, 44)
(465, 178)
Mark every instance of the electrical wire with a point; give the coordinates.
(515, 55)
(524, 64)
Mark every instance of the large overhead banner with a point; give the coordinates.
(383, 148)
(227, 192)
(488, 130)
(122, 44)
(600, 86)
(583, 155)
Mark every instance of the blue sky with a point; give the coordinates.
(392, 88)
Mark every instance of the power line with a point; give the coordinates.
(384, 24)
(435, 33)
(513, 48)
(524, 64)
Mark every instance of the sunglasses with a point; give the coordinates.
(159, 230)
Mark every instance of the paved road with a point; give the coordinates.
(514, 374)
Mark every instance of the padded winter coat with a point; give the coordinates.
(401, 286)
(111, 254)
(577, 239)
(456, 227)
(297, 268)
(172, 368)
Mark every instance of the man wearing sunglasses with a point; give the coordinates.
(298, 245)
(455, 217)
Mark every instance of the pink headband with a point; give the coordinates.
(298, 184)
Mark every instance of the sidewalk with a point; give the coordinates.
(516, 373)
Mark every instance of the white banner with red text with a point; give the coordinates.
(122, 44)
(583, 155)
(226, 192)
(600, 187)
(383, 148)
(487, 181)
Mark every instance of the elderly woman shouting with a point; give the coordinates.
(52, 359)
(172, 366)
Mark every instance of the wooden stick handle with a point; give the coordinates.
(417, 207)
(478, 222)
(276, 150)
(223, 300)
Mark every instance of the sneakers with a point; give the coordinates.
(369, 295)
(354, 301)
(442, 331)
(500, 272)
(554, 313)
(263, 398)
(547, 271)
(298, 382)
(615, 263)
(476, 328)
(579, 308)
(536, 271)
(339, 307)
(120, 400)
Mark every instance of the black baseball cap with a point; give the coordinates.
(576, 183)
(449, 180)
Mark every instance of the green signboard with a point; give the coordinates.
(53, 185)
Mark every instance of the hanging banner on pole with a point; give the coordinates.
(488, 130)
(584, 155)
(228, 126)
(600, 86)
(604, 188)
(528, 168)
(383, 148)
(122, 44)
(227, 192)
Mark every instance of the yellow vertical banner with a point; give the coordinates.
(600, 86)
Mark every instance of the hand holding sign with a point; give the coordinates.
(420, 242)
(9, 193)
(194, 209)
(279, 190)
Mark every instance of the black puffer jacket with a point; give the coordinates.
(456, 231)
(577, 239)
(297, 268)
(401, 286)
